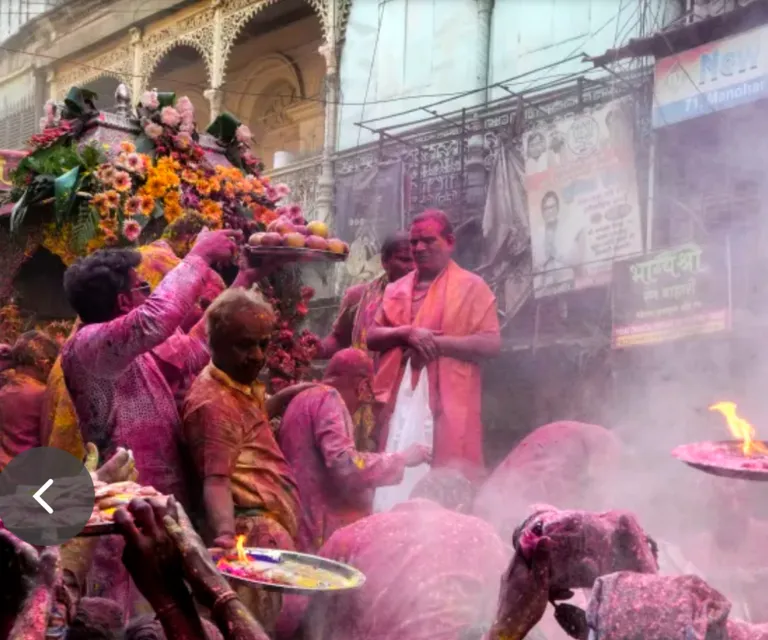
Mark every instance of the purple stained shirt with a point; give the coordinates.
(122, 376)
(335, 481)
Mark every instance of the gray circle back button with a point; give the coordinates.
(46, 496)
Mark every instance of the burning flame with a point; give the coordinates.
(240, 546)
(740, 429)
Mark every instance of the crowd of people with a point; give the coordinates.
(161, 379)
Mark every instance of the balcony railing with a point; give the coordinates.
(301, 177)
(703, 9)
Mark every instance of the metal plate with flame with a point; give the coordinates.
(725, 459)
(276, 570)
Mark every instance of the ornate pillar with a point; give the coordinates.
(215, 95)
(138, 81)
(329, 50)
(50, 79)
(215, 99)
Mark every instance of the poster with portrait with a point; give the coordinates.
(369, 207)
(582, 198)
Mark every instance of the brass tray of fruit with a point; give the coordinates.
(287, 240)
(289, 571)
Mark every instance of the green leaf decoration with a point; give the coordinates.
(141, 219)
(85, 228)
(18, 212)
(91, 157)
(159, 211)
(65, 193)
(79, 102)
(224, 127)
(166, 98)
(144, 145)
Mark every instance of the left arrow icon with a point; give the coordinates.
(38, 496)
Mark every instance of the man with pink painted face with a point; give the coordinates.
(444, 319)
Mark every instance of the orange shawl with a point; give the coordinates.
(458, 303)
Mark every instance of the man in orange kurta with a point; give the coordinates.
(443, 318)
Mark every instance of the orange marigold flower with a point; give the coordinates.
(172, 211)
(210, 210)
(147, 204)
(189, 176)
(203, 187)
(155, 187)
(122, 181)
(127, 147)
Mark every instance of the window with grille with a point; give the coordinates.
(17, 123)
(15, 13)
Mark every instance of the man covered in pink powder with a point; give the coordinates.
(432, 573)
(336, 481)
(116, 382)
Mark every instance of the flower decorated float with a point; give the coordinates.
(93, 180)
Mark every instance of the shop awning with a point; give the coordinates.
(666, 43)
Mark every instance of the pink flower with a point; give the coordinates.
(183, 140)
(283, 190)
(294, 211)
(185, 108)
(281, 211)
(170, 117)
(131, 230)
(133, 206)
(153, 131)
(243, 134)
(134, 162)
(271, 194)
(149, 100)
(187, 127)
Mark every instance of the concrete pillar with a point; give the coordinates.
(484, 14)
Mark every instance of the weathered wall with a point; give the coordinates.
(529, 34)
(439, 47)
(424, 47)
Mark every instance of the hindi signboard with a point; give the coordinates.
(710, 78)
(583, 203)
(677, 293)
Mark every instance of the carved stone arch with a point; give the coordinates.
(152, 58)
(268, 70)
(195, 31)
(115, 63)
(235, 16)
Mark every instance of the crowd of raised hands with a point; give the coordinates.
(166, 558)
(555, 553)
(40, 590)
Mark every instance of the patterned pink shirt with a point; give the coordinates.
(336, 481)
(122, 375)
